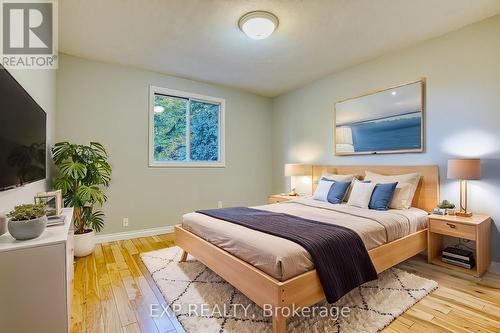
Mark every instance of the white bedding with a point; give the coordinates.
(284, 259)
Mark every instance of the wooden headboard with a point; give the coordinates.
(427, 194)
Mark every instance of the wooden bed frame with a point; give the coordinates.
(305, 289)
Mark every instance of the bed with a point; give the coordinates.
(276, 271)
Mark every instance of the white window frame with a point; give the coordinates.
(221, 163)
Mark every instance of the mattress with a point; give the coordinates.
(284, 259)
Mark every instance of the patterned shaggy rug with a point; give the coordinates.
(204, 302)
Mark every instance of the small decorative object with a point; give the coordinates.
(27, 221)
(451, 211)
(55, 220)
(447, 206)
(302, 171)
(464, 170)
(3, 224)
(439, 211)
(84, 173)
(52, 200)
(382, 122)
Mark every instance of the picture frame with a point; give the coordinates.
(386, 121)
(52, 199)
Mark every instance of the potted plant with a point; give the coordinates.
(84, 173)
(27, 221)
(447, 206)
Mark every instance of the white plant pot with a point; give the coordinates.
(84, 244)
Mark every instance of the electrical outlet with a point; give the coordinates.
(125, 221)
(219, 204)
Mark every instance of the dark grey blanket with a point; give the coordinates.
(338, 253)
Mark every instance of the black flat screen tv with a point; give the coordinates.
(22, 135)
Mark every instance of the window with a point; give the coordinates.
(185, 129)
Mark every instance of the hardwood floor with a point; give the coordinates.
(113, 292)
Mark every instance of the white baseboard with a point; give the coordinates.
(134, 234)
(494, 267)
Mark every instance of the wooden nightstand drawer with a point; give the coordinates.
(460, 230)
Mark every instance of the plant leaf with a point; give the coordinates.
(72, 169)
(64, 184)
(96, 221)
(62, 151)
(104, 172)
(99, 149)
(91, 194)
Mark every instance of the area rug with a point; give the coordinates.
(203, 302)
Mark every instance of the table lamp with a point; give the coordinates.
(297, 170)
(466, 169)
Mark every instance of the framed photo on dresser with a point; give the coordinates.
(53, 200)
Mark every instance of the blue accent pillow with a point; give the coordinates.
(337, 192)
(382, 196)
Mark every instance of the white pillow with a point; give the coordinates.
(405, 190)
(338, 178)
(361, 194)
(322, 190)
(341, 178)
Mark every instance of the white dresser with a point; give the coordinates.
(36, 280)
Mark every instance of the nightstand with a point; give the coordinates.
(476, 228)
(275, 198)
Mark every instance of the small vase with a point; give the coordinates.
(27, 229)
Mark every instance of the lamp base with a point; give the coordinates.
(463, 214)
(463, 200)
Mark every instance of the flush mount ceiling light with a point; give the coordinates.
(258, 24)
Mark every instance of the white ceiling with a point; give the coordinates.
(200, 39)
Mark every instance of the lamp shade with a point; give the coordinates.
(297, 170)
(467, 169)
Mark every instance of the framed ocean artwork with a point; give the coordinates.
(383, 122)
